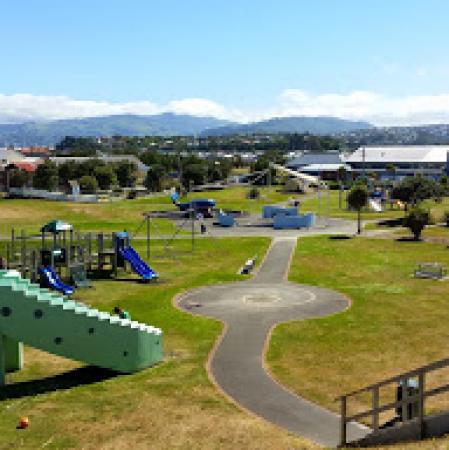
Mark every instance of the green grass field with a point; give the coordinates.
(170, 406)
(234, 198)
(396, 322)
(30, 215)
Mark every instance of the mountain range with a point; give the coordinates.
(167, 124)
(312, 125)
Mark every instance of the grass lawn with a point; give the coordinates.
(170, 406)
(314, 205)
(120, 215)
(236, 197)
(30, 215)
(330, 205)
(396, 322)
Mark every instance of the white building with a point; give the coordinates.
(400, 160)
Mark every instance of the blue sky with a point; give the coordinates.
(242, 59)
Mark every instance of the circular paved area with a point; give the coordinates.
(250, 309)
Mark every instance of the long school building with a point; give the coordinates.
(400, 161)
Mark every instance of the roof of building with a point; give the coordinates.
(316, 158)
(325, 167)
(35, 151)
(24, 165)
(400, 153)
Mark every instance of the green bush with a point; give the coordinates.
(88, 184)
(416, 220)
(254, 193)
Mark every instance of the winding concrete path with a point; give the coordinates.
(250, 310)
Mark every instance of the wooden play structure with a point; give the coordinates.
(65, 251)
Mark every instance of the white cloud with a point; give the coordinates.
(363, 105)
(357, 105)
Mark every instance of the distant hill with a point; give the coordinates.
(312, 125)
(50, 133)
(416, 135)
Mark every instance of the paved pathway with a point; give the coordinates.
(250, 309)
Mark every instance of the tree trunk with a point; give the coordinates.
(358, 222)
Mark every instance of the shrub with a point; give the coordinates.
(416, 220)
(105, 176)
(88, 184)
(254, 193)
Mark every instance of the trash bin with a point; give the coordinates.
(412, 388)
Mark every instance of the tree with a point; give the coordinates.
(105, 176)
(416, 221)
(46, 176)
(67, 171)
(19, 178)
(155, 175)
(195, 173)
(357, 199)
(88, 184)
(78, 146)
(391, 169)
(412, 190)
(126, 173)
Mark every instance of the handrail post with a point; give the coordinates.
(421, 385)
(404, 407)
(375, 423)
(343, 407)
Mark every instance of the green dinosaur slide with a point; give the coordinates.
(50, 322)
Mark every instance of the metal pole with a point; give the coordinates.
(421, 385)
(89, 250)
(2, 360)
(23, 255)
(343, 422)
(13, 246)
(34, 265)
(193, 228)
(148, 235)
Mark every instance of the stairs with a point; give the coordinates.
(50, 322)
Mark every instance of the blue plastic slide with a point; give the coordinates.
(138, 264)
(51, 279)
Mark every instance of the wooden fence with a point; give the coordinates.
(417, 399)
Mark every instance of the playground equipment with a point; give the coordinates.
(202, 206)
(50, 279)
(375, 205)
(284, 222)
(127, 253)
(288, 218)
(376, 198)
(307, 181)
(270, 211)
(226, 220)
(69, 256)
(50, 322)
(61, 251)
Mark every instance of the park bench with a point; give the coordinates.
(248, 266)
(432, 270)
